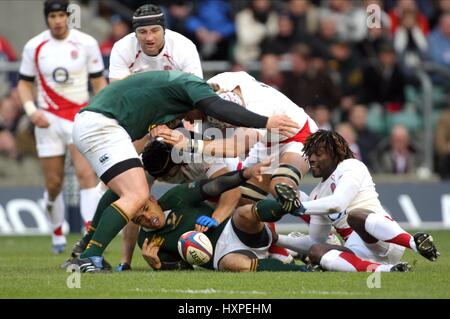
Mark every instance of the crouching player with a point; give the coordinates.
(377, 242)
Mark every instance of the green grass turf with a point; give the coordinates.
(29, 270)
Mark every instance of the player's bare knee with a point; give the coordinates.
(53, 184)
(86, 178)
(357, 218)
(235, 263)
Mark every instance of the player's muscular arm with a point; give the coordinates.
(238, 144)
(37, 117)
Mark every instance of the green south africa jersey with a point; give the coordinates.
(150, 98)
(185, 204)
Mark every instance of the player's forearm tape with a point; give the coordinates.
(223, 183)
(29, 107)
(231, 113)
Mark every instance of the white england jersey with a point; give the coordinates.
(62, 68)
(349, 187)
(263, 100)
(179, 53)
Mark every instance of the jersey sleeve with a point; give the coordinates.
(95, 64)
(191, 63)
(118, 67)
(28, 66)
(347, 187)
(197, 89)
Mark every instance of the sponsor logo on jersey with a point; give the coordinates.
(74, 54)
(60, 75)
(102, 159)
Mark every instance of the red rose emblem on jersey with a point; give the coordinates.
(167, 67)
(333, 187)
(74, 54)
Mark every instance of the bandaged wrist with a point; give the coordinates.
(30, 108)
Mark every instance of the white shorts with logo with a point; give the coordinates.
(53, 140)
(229, 242)
(102, 141)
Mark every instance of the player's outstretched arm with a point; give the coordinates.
(239, 116)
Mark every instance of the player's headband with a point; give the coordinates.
(55, 5)
(151, 19)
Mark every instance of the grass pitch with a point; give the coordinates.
(29, 270)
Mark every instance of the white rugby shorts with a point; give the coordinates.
(102, 141)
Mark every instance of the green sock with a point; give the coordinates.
(107, 199)
(276, 265)
(111, 222)
(268, 210)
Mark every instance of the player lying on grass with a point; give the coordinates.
(127, 110)
(240, 243)
(347, 190)
(159, 164)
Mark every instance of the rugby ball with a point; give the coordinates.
(195, 248)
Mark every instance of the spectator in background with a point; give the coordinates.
(326, 35)
(286, 38)
(350, 19)
(442, 143)
(253, 25)
(270, 71)
(410, 42)
(305, 17)
(383, 80)
(322, 116)
(7, 54)
(307, 85)
(349, 135)
(398, 155)
(369, 46)
(345, 66)
(177, 13)
(366, 139)
(441, 7)
(396, 14)
(439, 42)
(119, 29)
(213, 29)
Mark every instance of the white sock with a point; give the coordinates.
(335, 260)
(89, 199)
(56, 212)
(300, 245)
(388, 230)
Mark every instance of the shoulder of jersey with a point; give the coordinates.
(38, 39)
(83, 37)
(127, 45)
(353, 163)
(176, 37)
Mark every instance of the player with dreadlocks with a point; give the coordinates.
(347, 192)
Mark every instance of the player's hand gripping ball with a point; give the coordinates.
(195, 248)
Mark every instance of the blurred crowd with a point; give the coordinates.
(350, 66)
